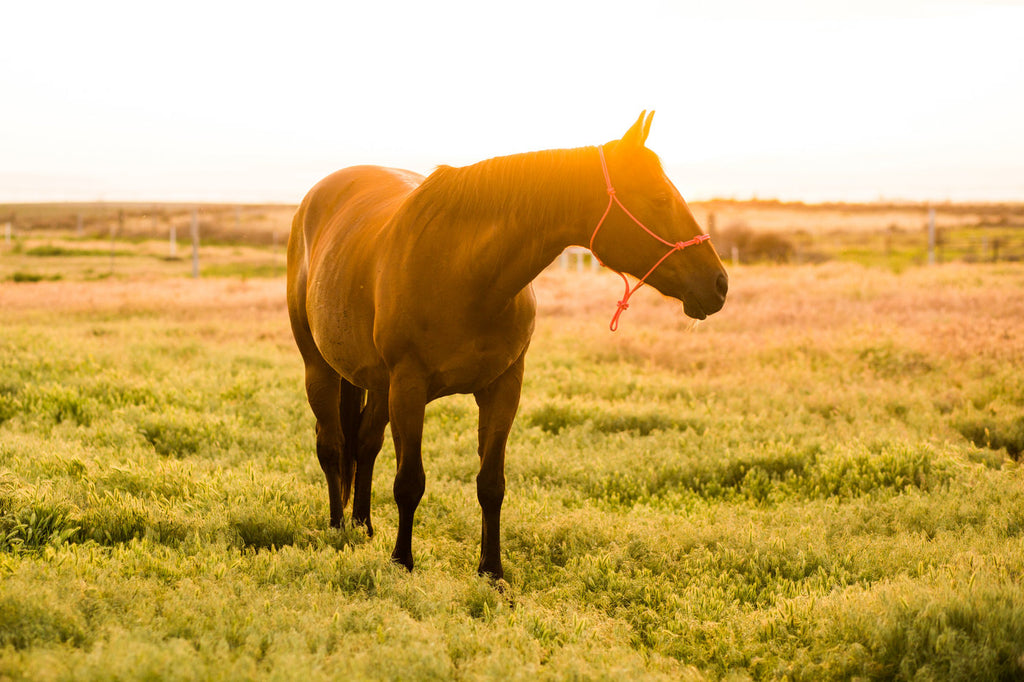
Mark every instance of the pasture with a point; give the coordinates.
(820, 482)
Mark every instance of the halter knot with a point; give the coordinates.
(622, 307)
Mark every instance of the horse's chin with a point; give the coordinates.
(687, 323)
(694, 311)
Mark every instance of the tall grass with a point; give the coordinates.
(821, 482)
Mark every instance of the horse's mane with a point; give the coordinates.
(535, 187)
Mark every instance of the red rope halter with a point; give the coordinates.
(673, 246)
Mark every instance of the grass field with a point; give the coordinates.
(820, 482)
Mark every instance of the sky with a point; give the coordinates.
(255, 102)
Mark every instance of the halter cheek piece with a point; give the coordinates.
(673, 246)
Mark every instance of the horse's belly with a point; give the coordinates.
(342, 328)
(472, 370)
(353, 361)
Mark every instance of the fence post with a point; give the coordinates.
(735, 255)
(114, 229)
(931, 235)
(195, 243)
(7, 233)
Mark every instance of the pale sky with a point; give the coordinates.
(238, 101)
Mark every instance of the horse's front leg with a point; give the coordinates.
(371, 437)
(407, 400)
(498, 405)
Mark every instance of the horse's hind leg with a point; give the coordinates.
(407, 399)
(323, 390)
(371, 437)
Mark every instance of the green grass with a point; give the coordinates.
(245, 270)
(900, 250)
(54, 255)
(833, 497)
(21, 276)
(50, 250)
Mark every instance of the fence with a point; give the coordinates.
(978, 238)
(264, 225)
(973, 242)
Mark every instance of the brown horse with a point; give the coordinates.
(402, 290)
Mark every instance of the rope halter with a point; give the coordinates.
(623, 304)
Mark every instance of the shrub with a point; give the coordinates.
(994, 432)
(754, 247)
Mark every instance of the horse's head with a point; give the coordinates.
(693, 274)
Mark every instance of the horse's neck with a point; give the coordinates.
(521, 212)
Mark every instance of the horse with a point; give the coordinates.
(403, 289)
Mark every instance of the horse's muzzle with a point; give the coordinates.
(700, 306)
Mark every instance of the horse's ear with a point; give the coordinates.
(647, 125)
(638, 132)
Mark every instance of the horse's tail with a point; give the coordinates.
(351, 405)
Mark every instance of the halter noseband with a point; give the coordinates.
(673, 246)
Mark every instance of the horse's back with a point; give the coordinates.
(359, 193)
(331, 259)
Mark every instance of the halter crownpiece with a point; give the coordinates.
(623, 304)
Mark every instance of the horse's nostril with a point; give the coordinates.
(722, 285)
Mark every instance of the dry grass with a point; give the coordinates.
(955, 310)
(230, 299)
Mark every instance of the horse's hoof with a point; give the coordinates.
(403, 561)
(495, 575)
(365, 524)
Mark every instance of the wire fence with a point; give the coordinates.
(183, 225)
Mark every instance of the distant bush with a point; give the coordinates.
(51, 251)
(754, 247)
(21, 277)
